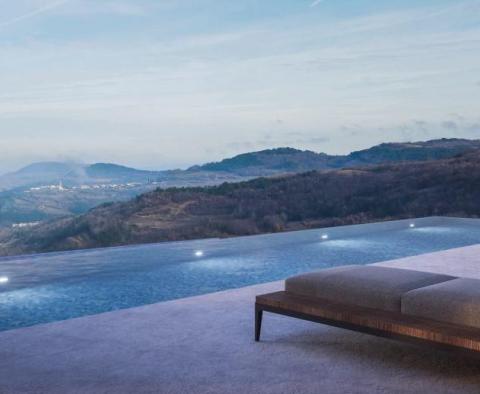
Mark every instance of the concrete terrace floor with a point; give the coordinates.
(205, 344)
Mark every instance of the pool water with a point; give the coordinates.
(57, 286)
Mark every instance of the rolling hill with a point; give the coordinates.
(289, 160)
(50, 190)
(312, 199)
(73, 174)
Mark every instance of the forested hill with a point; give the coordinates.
(51, 190)
(312, 199)
(289, 160)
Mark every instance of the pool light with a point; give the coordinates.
(199, 253)
(324, 236)
(3, 279)
(412, 225)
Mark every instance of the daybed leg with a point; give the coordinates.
(258, 322)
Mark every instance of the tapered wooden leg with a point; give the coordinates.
(258, 322)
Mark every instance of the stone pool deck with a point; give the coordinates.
(205, 344)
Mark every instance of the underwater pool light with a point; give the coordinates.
(3, 279)
(324, 236)
(199, 253)
(412, 225)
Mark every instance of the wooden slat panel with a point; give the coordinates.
(385, 322)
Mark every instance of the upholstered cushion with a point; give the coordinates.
(367, 286)
(456, 301)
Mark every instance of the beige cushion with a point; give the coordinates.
(366, 286)
(456, 301)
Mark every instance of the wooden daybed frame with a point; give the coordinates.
(393, 325)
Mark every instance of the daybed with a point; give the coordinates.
(422, 307)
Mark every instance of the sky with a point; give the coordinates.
(170, 83)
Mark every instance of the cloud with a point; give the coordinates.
(168, 81)
(31, 14)
(450, 125)
(317, 2)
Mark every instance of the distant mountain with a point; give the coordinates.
(312, 199)
(247, 165)
(269, 162)
(48, 169)
(115, 173)
(73, 174)
(38, 173)
(50, 190)
(410, 151)
(289, 160)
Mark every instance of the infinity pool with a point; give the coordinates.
(57, 286)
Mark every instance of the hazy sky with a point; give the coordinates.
(168, 83)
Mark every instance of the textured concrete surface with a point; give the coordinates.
(457, 262)
(205, 345)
